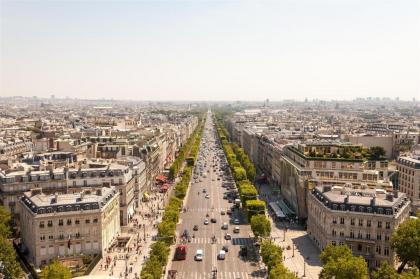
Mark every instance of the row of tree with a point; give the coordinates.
(159, 252)
(187, 151)
(244, 172)
(272, 257)
(9, 267)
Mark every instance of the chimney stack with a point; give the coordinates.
(373, 201)
(326, 188)
(346, 199)
(36, 191)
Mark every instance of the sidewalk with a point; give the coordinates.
(127, 262)
(302, 257)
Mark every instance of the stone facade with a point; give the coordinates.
(363, 219)
(68, 225)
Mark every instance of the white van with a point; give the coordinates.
(198, 255)
(221, 255)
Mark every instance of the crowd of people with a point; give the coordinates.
(125, 260)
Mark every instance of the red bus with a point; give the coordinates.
(181, 252)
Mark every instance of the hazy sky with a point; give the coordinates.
(211, 50)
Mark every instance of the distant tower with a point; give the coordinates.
(53, 96)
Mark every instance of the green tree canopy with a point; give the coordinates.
(254, 207)
(161, 250)
(152, 269)
(4, 222)
(260, 225)
(55, 271)
(406, 243)
(339, 263)
(333, 253)
(11, 268)
(271, 254)
(280, 272)
(385, 271)
(345, 268)
(376, 152)
(239, 174)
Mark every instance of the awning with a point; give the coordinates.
(165, 186)
(277, 210)
(161, 177)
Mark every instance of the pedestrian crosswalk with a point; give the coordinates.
(220, 275)
(220, 240)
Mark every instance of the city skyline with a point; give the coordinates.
(221, 51)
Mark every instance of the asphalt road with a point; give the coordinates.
(198, 205)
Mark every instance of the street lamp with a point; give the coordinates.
(293, 250)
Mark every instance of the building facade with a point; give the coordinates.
(68, 225)
(363, 219)
(408, 168)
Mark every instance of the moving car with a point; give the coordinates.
(199, 255)
(236, 221)
(195, 228)
(181, 252)
(222, 212)
(236, 229)
(221, 255)
(206, 221)
(213, 220)
(228, 236)
(225, 226)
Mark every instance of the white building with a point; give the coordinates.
(68, 225)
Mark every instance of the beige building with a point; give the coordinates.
(409, 178)
(68, 225)
(319, 163)
(67, 180)
(363, 219)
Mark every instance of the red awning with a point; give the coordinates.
(164, 186)
(161, 177)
